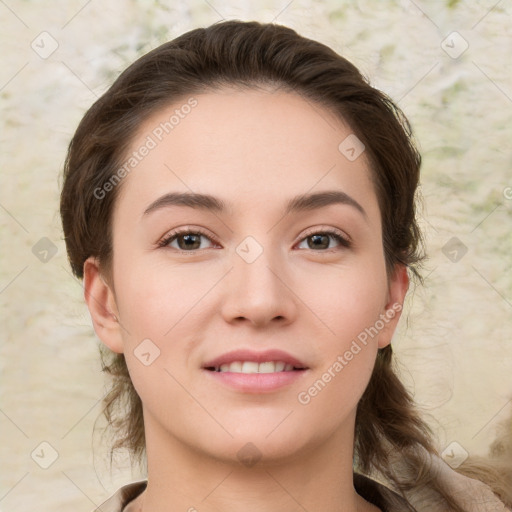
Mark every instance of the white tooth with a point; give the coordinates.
(250, 367)
(235, 366)
(267, 367)
(254, 367)
(280, 366)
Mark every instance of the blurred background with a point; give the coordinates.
(447, 65)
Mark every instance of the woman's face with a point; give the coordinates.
(301, 282)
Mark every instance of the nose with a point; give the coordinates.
(258, 291)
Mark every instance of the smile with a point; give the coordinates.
(254, 367)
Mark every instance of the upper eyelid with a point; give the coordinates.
(186, 230)
(328, 230)
(203, 232)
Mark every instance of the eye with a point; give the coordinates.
(187, 240)
(318, 240)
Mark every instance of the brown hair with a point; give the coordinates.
(250, 54)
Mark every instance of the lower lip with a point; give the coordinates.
(257, 382)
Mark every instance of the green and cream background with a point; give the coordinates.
(446, 63)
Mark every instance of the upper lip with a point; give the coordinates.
(258, 357)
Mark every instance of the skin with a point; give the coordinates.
(254, 149)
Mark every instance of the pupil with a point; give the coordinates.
(316, 238)
(189, 238)
(190, 243)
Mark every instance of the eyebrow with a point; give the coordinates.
(300, 203)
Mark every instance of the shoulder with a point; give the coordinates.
(371, 490)
(380, 495)
(118, 501)
(468, 494)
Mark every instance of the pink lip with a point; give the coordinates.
(256, 382)
(258, 357)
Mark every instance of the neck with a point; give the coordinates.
(181, 478)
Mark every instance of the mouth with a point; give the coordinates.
(249, 361)
(249, 367)
(253, 372)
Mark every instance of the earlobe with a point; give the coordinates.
(398, 286)
(100, 300)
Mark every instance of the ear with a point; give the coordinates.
(398, 285)
(100, 300)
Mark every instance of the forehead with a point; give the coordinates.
(247, 147)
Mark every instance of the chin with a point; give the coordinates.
(253, 445)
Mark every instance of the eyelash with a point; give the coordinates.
(337, 235)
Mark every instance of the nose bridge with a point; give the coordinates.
(258, 291)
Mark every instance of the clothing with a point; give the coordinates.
(471, 495)
(370, 490)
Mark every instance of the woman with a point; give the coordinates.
(240, 205)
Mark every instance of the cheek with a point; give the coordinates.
(161, 308)
(345, 300)
(348, 344)
(152, 299)
(347, 306)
